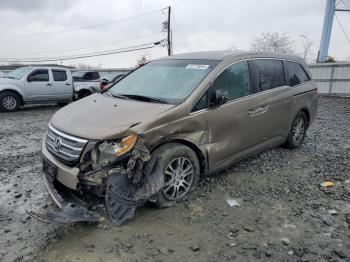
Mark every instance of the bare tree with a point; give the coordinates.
(85, 66)
(307, 45)
(272, 42)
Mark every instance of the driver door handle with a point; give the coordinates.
(49, 84)
(258, 111)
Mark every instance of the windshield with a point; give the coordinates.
(170, 81)
(18, 73)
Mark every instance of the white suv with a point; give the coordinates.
(26, 85)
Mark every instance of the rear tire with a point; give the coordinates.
(297, 131)
(83, 94)
(63, 103)
(9, 101)
(181, 171)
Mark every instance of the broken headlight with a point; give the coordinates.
(111, 150)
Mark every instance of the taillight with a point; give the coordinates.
(102, 86)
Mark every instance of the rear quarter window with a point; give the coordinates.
(59, 75)
(296, 74)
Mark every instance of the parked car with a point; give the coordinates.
(90, 82)
(110, 79)
(86, 83)
(26, 85)
(170, 121)
(2, 74)
(85, 75)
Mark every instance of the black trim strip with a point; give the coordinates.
(315, 89)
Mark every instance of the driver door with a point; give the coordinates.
(233, 132)
(39, 85)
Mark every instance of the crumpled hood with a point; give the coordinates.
(100, 117)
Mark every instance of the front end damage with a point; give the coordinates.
(106, 184)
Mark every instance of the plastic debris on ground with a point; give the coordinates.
(232, 202)
(327, 184)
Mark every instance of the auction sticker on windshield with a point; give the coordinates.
(193, 66)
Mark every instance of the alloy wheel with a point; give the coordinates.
(178, 178)
(9, 102)
(298, 130)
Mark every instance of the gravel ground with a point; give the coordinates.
(283, 214)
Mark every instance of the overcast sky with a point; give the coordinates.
(197, 25)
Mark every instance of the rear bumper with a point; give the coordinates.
(66, 175)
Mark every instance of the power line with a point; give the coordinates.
(345, 4)
(93, 46)
(102, 53)
(339, 2)
(82, 28)
(342, 28)
(181, 34)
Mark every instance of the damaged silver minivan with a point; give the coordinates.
(151, 135)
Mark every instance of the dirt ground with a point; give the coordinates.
(283, 214)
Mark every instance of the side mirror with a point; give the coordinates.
(218, 97)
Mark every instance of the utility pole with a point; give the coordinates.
(327, 30)
(170, 47)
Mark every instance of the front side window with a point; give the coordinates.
(40, 75)
(270, 73)
(169, 81)
(59, 75)
(235, 80)
(296, 74)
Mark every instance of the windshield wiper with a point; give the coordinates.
(146, 98)
(116, 96)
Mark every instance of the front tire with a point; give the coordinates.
(181, 171)
(9, 101)
(297, 131)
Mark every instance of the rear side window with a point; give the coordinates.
(235, 80)
(59, 75)
(269, 74)
(296, 74)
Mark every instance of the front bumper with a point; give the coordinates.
(66, 175)
(127, 187)
(72, 209)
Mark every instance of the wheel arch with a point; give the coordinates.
(10, 90)
(307, 113)
(201, 157)
(83, 91)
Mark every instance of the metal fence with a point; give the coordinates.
(332, 78)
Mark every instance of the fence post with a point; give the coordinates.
(332, 76)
